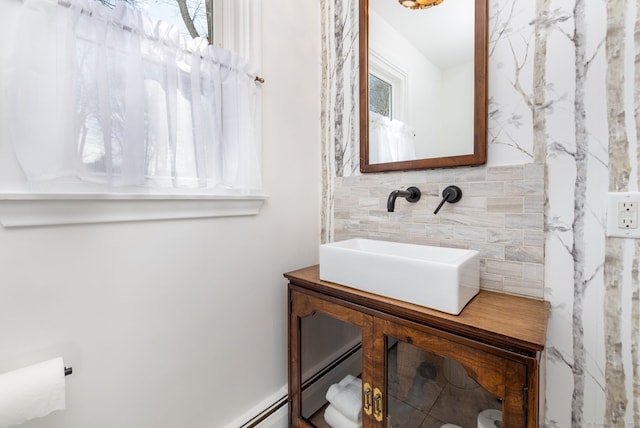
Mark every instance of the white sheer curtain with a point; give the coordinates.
(390, 140)
(110, 96)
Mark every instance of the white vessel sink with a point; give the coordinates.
(439, 278)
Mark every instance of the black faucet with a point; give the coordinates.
(412, 194)
(451, 194)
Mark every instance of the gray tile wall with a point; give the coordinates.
(501, 215)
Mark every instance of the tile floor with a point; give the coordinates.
(431, 400)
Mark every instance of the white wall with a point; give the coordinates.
(457, 109)
(175, 323)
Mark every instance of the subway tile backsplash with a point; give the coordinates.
(501, 215)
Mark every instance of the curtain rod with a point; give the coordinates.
(68, 5)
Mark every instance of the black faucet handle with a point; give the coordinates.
(451, 194)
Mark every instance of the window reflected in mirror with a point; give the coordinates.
(380, 96)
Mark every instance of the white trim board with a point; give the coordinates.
(24, 209)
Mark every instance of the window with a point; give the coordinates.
(390, 138)
(388, 86)
(234, 26)
(106, 102)
(380, 100)
(198, 21)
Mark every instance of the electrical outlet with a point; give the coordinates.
(622, 214)
(627, 215)
(627, 221)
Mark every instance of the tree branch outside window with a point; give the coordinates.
(195, 17)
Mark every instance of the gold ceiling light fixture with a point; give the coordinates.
(419, 4)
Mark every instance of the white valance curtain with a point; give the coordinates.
(390, 140)
(110, 96)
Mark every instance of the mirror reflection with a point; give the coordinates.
(421, 76)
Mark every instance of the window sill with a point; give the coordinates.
(41, 209)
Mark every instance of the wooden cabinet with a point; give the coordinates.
(489, 354)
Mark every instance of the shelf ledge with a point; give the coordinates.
(43, 209)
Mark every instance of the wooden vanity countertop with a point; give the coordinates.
(512, 322)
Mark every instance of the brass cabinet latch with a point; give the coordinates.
(367, 399)
(377, 404)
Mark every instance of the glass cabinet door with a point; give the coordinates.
(432, 381)
(426, 390)
(327, 363)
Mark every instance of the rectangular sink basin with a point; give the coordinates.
(439, 278)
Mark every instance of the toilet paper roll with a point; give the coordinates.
(31, 392)
(490, 418)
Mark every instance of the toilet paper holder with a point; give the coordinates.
(68, 371)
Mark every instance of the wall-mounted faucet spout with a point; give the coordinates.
(412, 194)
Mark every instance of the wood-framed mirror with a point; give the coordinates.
(423, 85)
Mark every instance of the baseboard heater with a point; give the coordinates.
(266, 413)
(330, 372)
